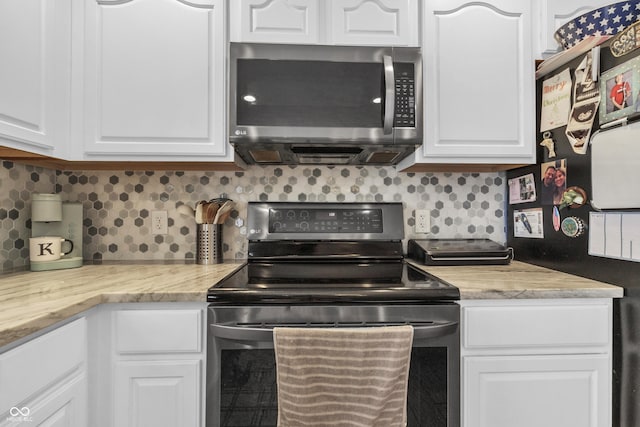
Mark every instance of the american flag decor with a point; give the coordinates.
(607, 20)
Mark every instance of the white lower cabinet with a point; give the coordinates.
(63, 406)
(148, 365)
(157, 393)
(43, 382)
(533, 391)
(536, 363)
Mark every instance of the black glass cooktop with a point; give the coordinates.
(331, 282)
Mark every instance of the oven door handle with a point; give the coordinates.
(437, 330)
(242, 333)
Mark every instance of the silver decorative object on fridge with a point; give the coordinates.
(209, 244)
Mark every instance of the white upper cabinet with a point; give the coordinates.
(479, 84)
(554, 14)
(275, 21)
(374, 22)
(340, 22)
(154, 80)
(35, 39)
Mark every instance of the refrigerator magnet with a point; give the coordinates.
(573, 226)
(528, 223)
(586, 95)
(556, 218)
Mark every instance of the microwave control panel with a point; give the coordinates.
(405, 108)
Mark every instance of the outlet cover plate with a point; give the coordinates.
(159, 222)
(423, 221)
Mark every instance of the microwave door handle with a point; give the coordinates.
(390, 94)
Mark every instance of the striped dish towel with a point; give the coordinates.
(342, 377)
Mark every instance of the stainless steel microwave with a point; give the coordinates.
(303, 104)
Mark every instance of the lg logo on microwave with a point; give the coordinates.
(241, 132)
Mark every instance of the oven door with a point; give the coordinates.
(241, 372)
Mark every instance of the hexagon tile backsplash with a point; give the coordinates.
(118, 205)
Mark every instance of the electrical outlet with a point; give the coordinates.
(159, 222)
(423, 221)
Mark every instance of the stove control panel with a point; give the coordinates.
(324, 221)
(296, 220)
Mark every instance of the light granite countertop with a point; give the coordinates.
(31, 301)
(520, 280)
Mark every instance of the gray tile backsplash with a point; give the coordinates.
(118, 205)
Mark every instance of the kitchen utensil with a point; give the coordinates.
(220, 199)
(199, 213)
(224, 216)
(209, 244)
(186, 211)
(224, 212)
(210, 211)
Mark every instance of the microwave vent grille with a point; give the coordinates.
(382, 157)
(265, 156)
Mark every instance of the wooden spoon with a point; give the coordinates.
(199, 213)
(211, 210)
(224, 212)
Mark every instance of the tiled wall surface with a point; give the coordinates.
(118, 205)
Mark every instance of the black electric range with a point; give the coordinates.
(305, 253)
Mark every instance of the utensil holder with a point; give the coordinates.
(209, 244)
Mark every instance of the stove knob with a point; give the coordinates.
(304, 225)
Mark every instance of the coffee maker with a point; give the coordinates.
(51, 217)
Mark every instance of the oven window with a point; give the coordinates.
(427, 398)
(249, 394)
(309, 93)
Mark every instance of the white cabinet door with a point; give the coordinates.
(63, 406)
(554, 14)
(154, 80)
(536, 363)
(148, 364)
(329, 22)
(479, 84)
(158, 393)
(375, 22)
(534, 391)
(43, 382)
(35, 39)
(275, 21)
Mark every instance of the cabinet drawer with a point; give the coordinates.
(37, 364)
(527, 325)
(153, 331)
